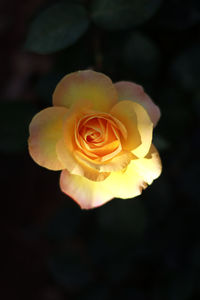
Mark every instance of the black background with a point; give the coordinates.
(147, 248)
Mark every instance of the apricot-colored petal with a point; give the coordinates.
(88, 194)
(124, 184)
(138, 124)
(65, 156)
(132, 91)
(119, 162)
(45, 131)
(150, 166)
(93, 87)
(74, 166)
(136, 177)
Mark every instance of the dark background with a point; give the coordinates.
(147, 248)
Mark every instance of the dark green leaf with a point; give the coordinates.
(120, 14)
(57, 27)
(141, 55)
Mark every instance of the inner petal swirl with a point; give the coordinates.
(98, 137)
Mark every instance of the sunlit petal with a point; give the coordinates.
(89, 86)
(138, 125)
(132, 91)
(150, 166)
(88, 194)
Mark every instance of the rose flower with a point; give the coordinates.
(100, 135)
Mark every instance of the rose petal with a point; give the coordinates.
(88, 194)
(70, 163)
(45, 131)
(138, 124)
(132, 91)
(119, 162)
(66, 148)
(150, 166)
(88, 86)
(124, 184)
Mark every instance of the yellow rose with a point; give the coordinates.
(100, 135)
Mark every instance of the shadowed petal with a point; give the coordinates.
(45, 131)
(132, 91)
(138, 124)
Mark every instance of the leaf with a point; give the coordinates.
(142, 56)
(14, 121)
(57, 27)
(120, 14)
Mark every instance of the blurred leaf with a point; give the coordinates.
(120, 14)
(123, 217)
(57, 27)
(14, 122)
(186, 69)
(141, 55)
(70, 270)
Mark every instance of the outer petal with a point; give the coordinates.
(128, 184)
(45, 131)
(87, 86)
(117, 163)
(88, 194)
(138, 124)
(149, 167)
(132, 91)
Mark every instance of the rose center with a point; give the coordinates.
(98, 136)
